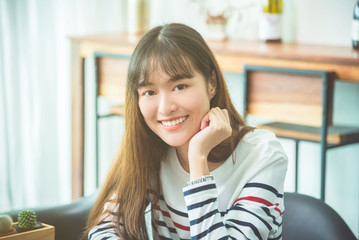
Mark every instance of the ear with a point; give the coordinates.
(212, 86)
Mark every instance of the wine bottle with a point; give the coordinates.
(137, 16)
(270, 22)
(355, 26)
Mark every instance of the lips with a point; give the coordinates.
(173, 122)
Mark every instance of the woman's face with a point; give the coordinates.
(174, 108)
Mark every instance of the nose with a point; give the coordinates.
(167, 104)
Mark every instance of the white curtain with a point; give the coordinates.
(35, 94)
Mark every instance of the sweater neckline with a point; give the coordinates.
(219, 173)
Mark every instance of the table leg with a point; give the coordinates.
(77, 75)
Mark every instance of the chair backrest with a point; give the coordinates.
(289, 95)
(309, 218)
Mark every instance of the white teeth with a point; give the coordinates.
(174, 122)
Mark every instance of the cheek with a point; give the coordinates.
(148, 110)
(199, 101)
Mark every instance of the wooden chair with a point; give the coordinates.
(298, 105)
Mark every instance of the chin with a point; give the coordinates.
(176, 141)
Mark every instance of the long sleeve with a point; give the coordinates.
(103, 231)
(255, 212)
(106, 229)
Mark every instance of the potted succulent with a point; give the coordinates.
(27, 227)
(27, 220)
(6, 225)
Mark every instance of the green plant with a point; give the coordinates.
(5, 223)
(27, 219)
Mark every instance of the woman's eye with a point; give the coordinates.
(180, 87)
(149, 93)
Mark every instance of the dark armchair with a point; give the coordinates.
(305, 218)
(309, 218)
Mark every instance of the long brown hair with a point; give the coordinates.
(134, 176)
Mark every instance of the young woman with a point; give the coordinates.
(187, 159)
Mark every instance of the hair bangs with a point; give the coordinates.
(172, 62)
(175, 64)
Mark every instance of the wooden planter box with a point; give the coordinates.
(47, 232)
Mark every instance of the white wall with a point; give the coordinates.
(305, 21)
(35, 94)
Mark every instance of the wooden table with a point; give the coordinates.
(232, 55)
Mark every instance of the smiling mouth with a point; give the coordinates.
(174, 122)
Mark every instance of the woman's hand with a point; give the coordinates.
(215, 128)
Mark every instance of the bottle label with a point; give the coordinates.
(270, 26)
(355, 30)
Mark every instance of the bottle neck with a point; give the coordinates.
(356, 11)
(273, 7)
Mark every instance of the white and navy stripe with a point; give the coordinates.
(248, 217)
(244, 201)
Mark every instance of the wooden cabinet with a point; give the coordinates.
(232, 55)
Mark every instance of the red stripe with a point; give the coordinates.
(278, 210)
(259, 200)
(254, 199)
(167, 214)
(181, 226)
(164, 213)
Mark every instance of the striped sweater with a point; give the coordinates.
(244, 201)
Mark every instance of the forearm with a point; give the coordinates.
(243, 220)
(198, 167)
(206, 221)
(105, 230)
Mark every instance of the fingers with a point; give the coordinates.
(215, 127)
(215, 115)
(221, 114)
(204, 123)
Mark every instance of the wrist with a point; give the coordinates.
(202, 179)
(198, 167)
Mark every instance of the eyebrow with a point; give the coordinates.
(145, 83)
